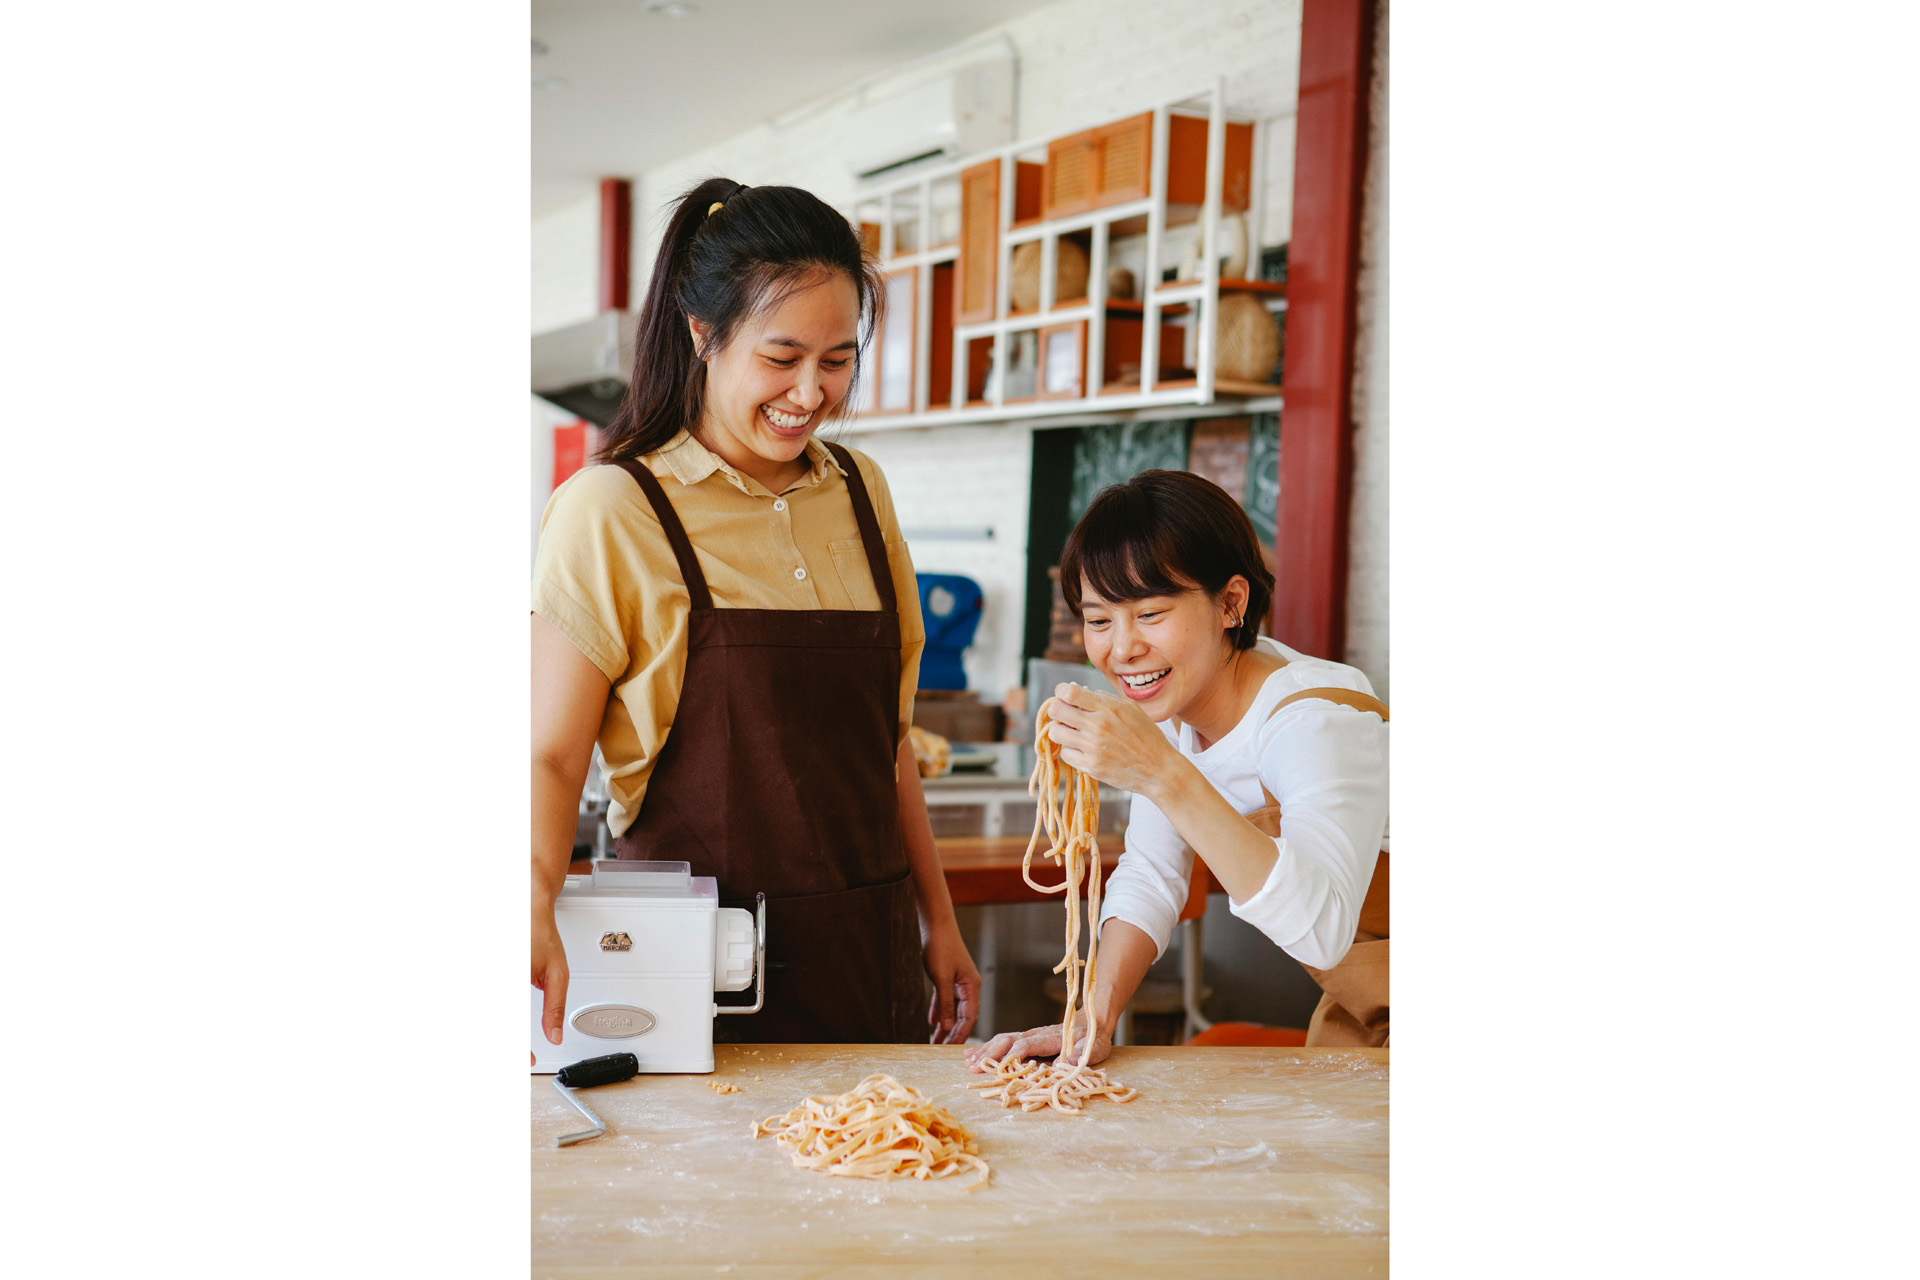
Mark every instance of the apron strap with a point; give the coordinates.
(869, 528)
(676, 533)
(1345, 697)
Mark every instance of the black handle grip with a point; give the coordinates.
(608, 1069)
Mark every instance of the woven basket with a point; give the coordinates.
(1248, 341)
(1069, 274)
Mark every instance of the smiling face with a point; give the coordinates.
(784, 373)
(1169, 654)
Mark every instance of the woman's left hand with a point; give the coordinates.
(956, 985)
(1107, 736)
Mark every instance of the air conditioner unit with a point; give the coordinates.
(949, 115)
(584, 368)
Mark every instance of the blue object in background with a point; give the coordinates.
(950, 605)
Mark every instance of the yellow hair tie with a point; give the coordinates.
(715, 205)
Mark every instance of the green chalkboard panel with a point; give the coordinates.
(1263, 474)
(1120, 451)
(1050, 519)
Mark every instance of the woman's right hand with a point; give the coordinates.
(1041, 1042)
(549, 972)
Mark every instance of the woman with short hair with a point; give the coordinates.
(1268, 764)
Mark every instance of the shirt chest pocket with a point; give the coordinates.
(850, 563)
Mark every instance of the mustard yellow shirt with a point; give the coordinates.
(606, 577)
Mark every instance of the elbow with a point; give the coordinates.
(549, 766)
(1326, 944)
(1318, 953)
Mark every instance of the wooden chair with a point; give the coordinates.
(1248, 1033)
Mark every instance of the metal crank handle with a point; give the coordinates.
(608, 1069)
(759, 963)
(599, 1126)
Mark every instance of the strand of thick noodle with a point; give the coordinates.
(1032, 1084)
(878, 1129)
(1067, 808)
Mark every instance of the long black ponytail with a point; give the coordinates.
(722, 267)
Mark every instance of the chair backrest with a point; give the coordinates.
(1197, 890)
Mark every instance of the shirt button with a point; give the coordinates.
(779, 504)
(799, 573)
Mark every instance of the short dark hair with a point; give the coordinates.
(730, 251)
(1163, 533)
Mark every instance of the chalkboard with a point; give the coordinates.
(1263, 474)
(1120, 451)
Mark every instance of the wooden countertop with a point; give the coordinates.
(1232, 1161)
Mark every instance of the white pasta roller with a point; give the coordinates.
(648, 944)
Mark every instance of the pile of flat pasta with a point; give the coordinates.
(879, 1129)
(1068, 809)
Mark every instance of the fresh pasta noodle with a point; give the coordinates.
(1067, 808)
(1032, 1084)
(878, 1129)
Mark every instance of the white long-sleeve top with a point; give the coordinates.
(1326, 764)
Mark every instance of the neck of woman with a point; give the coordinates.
(1227, 697)
(776, 475)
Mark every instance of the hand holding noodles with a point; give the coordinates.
(1068, 809)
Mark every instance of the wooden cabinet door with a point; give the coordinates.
(979, 253)
(1126, 160)
(940, 338)
(1072, 175)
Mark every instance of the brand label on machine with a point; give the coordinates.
(615, 942)
(613, 1021)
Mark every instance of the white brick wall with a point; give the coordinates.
(969, 476)
(1367, 534)
(566, 265)
(1081, 62)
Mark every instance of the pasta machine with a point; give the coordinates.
(648, 944)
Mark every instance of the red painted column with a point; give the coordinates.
(1316, 420)
(616, 242)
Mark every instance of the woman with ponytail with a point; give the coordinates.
(725, 604)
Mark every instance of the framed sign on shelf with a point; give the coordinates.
(1063, 361)
(890, 389)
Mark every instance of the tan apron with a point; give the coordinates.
(1353, 1000)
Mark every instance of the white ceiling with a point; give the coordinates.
(643, 89)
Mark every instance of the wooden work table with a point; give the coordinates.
(1230, 1162)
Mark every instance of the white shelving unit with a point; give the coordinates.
(1205, 395)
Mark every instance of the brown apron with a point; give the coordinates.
(1353, 1000)
(778, 778)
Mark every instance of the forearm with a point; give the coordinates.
(556, 809)
(1239, 854)
(934, 903)
(1124, 955)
